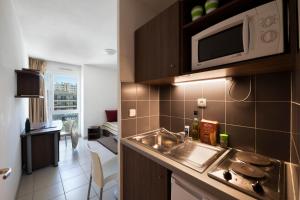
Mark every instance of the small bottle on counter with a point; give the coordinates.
(187, 131)
(194, 132)
(224, 140)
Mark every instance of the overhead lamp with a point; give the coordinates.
(110, 51)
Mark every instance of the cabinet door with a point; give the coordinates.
(170, 41)
(42, 150)
(147, 41)
(143, 178)
(141, 53)
(157, 46)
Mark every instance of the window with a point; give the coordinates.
(63, 93)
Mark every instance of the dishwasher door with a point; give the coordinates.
(183, 190)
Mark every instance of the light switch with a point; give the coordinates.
(132, 112)
(201, 102)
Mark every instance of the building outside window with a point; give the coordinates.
(65, 95)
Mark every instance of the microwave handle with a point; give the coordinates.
(246, 34)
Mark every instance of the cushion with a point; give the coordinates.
(111, 115)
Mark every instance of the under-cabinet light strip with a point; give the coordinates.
(199, 81)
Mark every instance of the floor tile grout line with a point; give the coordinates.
(84, 174)
(62, 183)
(33, 183)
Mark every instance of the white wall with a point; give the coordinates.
(13, 112)
(100, 93)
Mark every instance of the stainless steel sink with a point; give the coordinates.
(160, 140)
(195, 155)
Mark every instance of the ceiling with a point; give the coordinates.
(69, 31)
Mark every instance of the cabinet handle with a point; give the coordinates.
(172, 66)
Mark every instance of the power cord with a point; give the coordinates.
(248, 95)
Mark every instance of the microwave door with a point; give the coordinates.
(217, 49)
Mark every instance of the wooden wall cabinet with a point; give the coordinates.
(29, 84)
(143, 178)
(163, 45)
(157, 46)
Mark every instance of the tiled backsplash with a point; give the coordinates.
(143, 98)
(295, 139)
(261, 123)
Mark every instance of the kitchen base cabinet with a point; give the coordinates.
(144, 179)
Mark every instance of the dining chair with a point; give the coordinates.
(67, 130)
(74, 135)
(102, 173)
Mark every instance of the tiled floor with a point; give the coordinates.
(70, 179)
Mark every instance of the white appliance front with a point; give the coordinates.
(181, 189)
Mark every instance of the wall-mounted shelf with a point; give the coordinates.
(227, 8)
(29, 83)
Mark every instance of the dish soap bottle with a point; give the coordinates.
(195, 127)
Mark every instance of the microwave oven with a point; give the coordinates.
(252, 34)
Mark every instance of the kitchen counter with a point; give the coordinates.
(202, 180)
(206, 183)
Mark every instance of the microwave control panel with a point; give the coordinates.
(269, 29)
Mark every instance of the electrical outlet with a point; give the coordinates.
(132, 112)
(201, 102)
